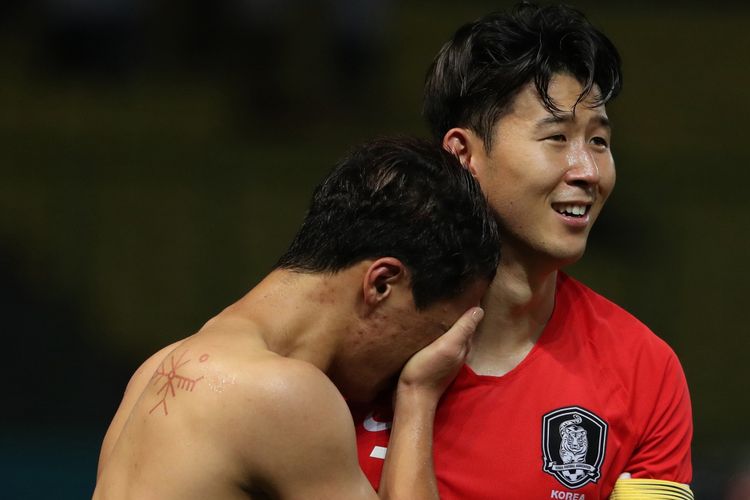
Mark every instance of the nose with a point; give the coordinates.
(582, 167)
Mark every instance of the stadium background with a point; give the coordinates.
(156, 157)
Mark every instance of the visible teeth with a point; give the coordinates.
(576, 210)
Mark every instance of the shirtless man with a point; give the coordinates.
(397, 244)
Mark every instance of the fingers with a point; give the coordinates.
(432, 369)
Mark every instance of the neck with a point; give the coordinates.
(517, 306)
(284, 313)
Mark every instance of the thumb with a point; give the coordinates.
(463, 329)
(437, 364)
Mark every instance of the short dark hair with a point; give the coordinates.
(476, 75)
(404, 198)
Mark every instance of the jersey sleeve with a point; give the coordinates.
(663, 450)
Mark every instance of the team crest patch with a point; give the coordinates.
(573, 442)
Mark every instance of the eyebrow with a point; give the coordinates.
(601, 120)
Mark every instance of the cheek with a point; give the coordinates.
(419, 335)
(517, 205)
(422, 336)
(406, 338)
(505, 191)
(607, 180)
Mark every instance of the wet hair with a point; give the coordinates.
(477, 74)
(404, 198)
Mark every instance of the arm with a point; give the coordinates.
(660, 466)
(663, 451)
(408, 471)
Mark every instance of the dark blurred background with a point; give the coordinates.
(156, 157)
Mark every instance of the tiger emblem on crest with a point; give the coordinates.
(574, 441)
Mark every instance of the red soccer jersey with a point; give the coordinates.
(598, 395)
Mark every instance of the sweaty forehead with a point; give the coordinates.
(529, 111)
(565, 93)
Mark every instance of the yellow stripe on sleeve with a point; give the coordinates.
(650, 489)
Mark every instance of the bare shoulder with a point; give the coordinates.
(291, 397)
(136, 385)
(277, 421)
(143, 374)
(249, 394)
(261, 421)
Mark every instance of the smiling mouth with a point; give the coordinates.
(571, 209)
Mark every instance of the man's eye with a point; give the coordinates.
(557, 138)
(600, 141)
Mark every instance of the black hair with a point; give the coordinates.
(476, 75)
(404, 198)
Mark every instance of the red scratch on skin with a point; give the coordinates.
(172, 377)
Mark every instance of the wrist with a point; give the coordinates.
(416, 399)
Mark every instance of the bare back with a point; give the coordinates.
(220, 416)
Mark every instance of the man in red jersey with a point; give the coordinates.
(564, 392)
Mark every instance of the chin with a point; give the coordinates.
(570, 249)
(570, 258)
(555, 257)
(567, 255)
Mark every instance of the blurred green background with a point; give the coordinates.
(156, 158)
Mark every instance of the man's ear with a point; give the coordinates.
(463, 143)
(380, 278)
